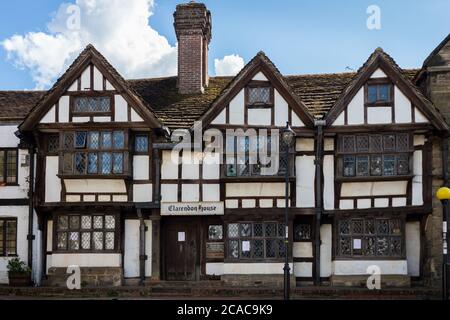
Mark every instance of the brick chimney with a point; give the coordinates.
(193, 29)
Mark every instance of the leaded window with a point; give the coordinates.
(379, 93)
(141, 143)
(259, 95)
(375, 155)
(215, 232)
(370, 237)
(86, 233)
(53, 143)
(302, 232)
(94, 152)
(255, 240)
(8, 236)
(8, 166)
(93, 105)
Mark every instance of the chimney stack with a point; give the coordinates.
(193, 29)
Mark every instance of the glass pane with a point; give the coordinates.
(345, 246)
(369, 226)
(92, 104)
(106, 161)
(67, 163)
(270, 230)
(118, 163)
(80, 163)
(53, 143)
(86, 222)
(369, 246)
(98, 222)
(80, 140)
(11, 235)
(389, 142)
(362, 165)
(384, 92)
(86, 240)
(233, 249)
(302, 232)
(348, 144)
(271, 248)
(98, 240)
(141, 143)
(281, 230)
(376, 143)
(119, 140)
(258, 230)
(92, 163)
(74, 242)
(258, 248)
(362, 143)
(375, 165)
(344, 227)
(110, 222)
(11, 166)
(94, 140)
(357, 226)
(388, 165)
(259, 95)
(382, 226)
(403, 142)
(63, 223)
(402, 164)
(382, 246)
(109, 241)
(396, 246)
(281, 248)
(395, 226)
(372, 93)
(62, 241)
(349, 166)
(233, 230)
(245, 230)
(215, 232)
(68, 141)
(106, 140)
(231, 170)
(2, 162)
(74, 222)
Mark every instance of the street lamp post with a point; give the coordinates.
(443, 194)
(288, 137)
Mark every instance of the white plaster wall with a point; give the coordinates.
(135, 117)
(98, 79)
(378, 74)
(131, 254)
(60, 260)
(21, 213)
(94, 185)
(412, 240)
(328, 144)
(296, 121)
(120, 109)
(254, 268)
(417, 182)
(402, 107)
(142, 192)
(52, 182)
(221, 118)
(211, 192)
(37, 252)
(255, 189)
(360, 189)
(169, 166)
(304, 144)
(420, 117)
(191, 165)
(109, 86)
(190, 193)
(325, 250)
(303, 269)
(214, 268)
(379, 115)
(305, 171)
(141, 167)
(302, 250)
(63, 112)
(355, 109)
(237, 109)
(86, 79)
(169, 193)
(359, 267)
(281, 110)
(211, 166)
(7, 137)
(260, 77)
(340, 120)
(49, 116)
(328, 182)
(259, 117)
(80, 119)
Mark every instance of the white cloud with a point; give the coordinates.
(119, 29)
(229, 65)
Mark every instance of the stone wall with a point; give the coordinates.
(90, 277)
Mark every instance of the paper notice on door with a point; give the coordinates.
(245, 246)
(357, 244)
(181, 236)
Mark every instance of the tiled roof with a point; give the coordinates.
(15, 105)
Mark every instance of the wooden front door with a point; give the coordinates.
(181, 250)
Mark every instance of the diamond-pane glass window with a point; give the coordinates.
(109, 240)
(141, 143)
(62, 241)
(259, 95)
(63, 222)
(245, 230)
(118, 163)
(348, 144)
(270, 230)
(74, 222)
(80, 163)
(118, 140)
(233, 249)
(258, 246)
(74, 241)
(80, 140)
(98, 240)
(86, 240)
(53, 143)
(86, 222)
(258, 230)
(98, 222)
(68, 140)
(388, 165)
(389, 142)
(403, 142)
(402, 164)
(271, 248)
(233, 230)
(302, 232)
(349, 166)
(106, 161)
(215, 232)
(110, 222)
(106, 140)
(92, 163)
(92, 104)
(376, 143)
(375, 165)
(362, 166)
(94, 140)
(362, 143)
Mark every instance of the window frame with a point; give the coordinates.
(73, 151)
(116, 230)
(74, 96)
(336, 236)
(3, 249)
(5, 182)
(397, 152)
(141, 134)
(379, 103)
(259, 84)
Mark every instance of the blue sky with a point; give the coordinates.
(299, 36)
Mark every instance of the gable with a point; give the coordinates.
(93, 79)
(91, 83)
(392, 100)
(234, 108)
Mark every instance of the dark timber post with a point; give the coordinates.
(319, 203)
(30, 236)
(142, 255)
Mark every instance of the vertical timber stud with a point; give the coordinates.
(318, 195)
(30, 236)
(142, 256)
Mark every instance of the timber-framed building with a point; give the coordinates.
(106, 194)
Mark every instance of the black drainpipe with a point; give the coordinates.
(319, 203)
(31, 236)
(142, 256)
